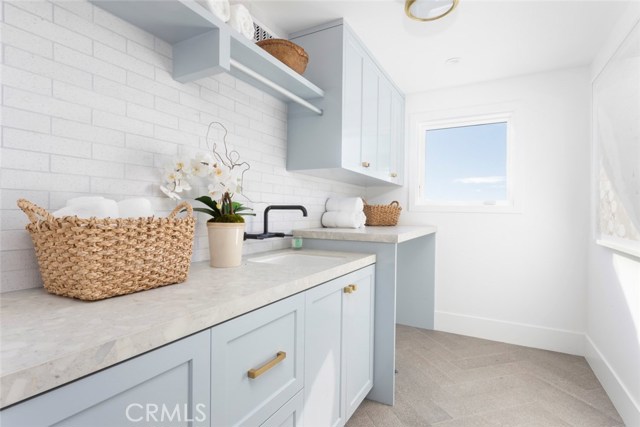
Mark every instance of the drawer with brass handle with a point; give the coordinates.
(257, 363)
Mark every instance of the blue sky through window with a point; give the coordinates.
(466, 163)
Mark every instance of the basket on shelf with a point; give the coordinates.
(287, 52)
(382, 214)
(93, 259)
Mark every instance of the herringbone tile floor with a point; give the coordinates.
(448, 380)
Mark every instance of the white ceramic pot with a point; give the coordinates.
(225, 243)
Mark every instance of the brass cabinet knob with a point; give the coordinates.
(366, 164)
(354, 287)
(347, 289)
(394, 175)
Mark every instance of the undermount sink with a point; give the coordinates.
(297, 259)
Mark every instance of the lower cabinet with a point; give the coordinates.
(338, 348)
(167, 386)
(256, 363)
(305, 360)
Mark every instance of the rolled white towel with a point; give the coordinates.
(135, 208)
(84, 200)
(349, 204)
(241, 20)
(105, 208)
(220, 8)
(343, 219)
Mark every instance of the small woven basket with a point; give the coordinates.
(93, 259)
(292, 55)
(382, 214)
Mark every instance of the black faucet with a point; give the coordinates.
(265, 234)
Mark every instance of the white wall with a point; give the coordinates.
(613, 310)
(89, 107)
(518, 277)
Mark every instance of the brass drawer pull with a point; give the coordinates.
(366, 164)
(348, 289)
(255, 373)
(354, 287)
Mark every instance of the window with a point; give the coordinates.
(465, 165)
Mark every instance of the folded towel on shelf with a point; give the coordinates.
(97, 207)
(220, 8)
(241, 21)
(343, 219)
(135, 208)
(83, 200)
(348, 204)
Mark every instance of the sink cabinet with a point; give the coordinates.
(268, 367)
(360, 136)
(338, 348)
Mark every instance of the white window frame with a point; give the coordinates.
(421, 123)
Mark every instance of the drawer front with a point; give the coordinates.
(257, 363)
(290, 415)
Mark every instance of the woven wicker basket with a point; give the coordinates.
(382, 214)
(93, 259)
(290, 53)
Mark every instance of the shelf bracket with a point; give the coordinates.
(201, 56)
(292, 96)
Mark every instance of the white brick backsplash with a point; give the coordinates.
(10, 197)
(152, 87)
(86, 132)
(25, 80)
(40, 142)
(152, 115)
(125, 124)
(26, 160)
(106, 120)
(46, 67)
(125, 29)
(89, 98)
(90, 64)
(129, 62)
(87, 28)
(80, 8)
(27, 120)
(122, 155)
(16, 37)
(120, 91)
(43, 181)
(152, 145)
(40, 8)
(44, 28)
(75, 166)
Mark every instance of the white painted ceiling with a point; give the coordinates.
(493, 39)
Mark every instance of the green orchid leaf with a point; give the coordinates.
(207, 211)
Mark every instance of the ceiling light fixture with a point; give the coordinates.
(429, 10)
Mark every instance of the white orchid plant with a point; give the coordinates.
(224, 173)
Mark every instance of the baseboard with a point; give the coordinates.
(627, 407)
(511, 332)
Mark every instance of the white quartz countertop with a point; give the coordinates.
(397, 234)
(47, 340)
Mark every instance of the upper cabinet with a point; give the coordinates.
(360, 136)
(203, 45)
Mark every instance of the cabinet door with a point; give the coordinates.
(167, 386)
(324, 344)
(369, 147)
(383, 155)
(358, 333)
(352, 105)
(290, 415)
(257, 363)
(396, 168)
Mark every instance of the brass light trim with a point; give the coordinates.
(255, 373)
(409, 3)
